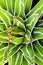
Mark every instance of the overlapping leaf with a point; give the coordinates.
(21, 41)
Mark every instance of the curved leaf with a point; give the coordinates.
(38, 50)
(37, 9)
(5, 17)
(19, 22)
(3, 48)
(10, 5)
(39, 23)
(37, 33)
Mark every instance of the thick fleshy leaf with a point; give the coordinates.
(18, 32)
(10, 5)
(34, 15)
(41, 41)
(37, 9)
(12, 59)
(23, 7)
(28, 4)
(27, 38)
(19, 8)
(5, 17)
(2, 27)
(16, 59)
(15, 29)
(11, 35)
(19, 22)
(37, 33)
(38, 61)
(38, 50)
(2, 40)
(3, 48)
(12, 49)
(27, 50)
(4, 37)
(3, 4)
(16, 40)
(31, 21)
(39, 23)
(25, 62)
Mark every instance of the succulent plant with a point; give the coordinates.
(21, 32)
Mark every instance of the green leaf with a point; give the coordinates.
(38, 61)
(41, 41)
(27, 38)
(28, 53)
(3, 48)
(16, 40)
(19, 22)
(18, 32)
(24, 62)
(2, 40)
(22, 7)
(16, 59)
(37, 33)
(12, 49)
(28, 4)
(19, 8)
(2, 27)
(34, 15)
(37, 9)
(39, 23)
(31, 21)
(38, 50)
(2, 63)
(6, 17)
(3, 4)
(10, 5)
(4, 37)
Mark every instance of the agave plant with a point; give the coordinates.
(21, 32)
